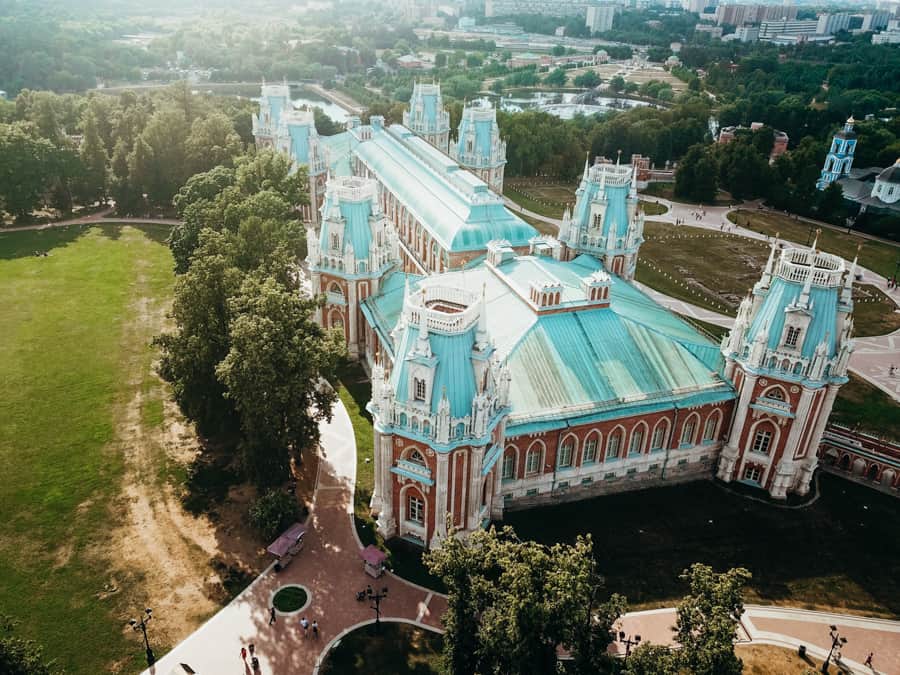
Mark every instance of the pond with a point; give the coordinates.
(564, 105)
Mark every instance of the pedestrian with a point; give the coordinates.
(271, 615)
(304, 624)
(869, 659)
(254, 662)
(252, 648)
(243, 653)
(315, 628)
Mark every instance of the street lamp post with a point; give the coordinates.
(376, 598)
(142, 627)
(629, 642)
(836, 640)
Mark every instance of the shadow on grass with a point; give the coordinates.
(406, 561)
(209, 478)
(840, 553)
(396, 648)
(29, 243)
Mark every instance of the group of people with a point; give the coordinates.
(304, 624)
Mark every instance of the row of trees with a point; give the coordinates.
(57, 151)
(246, 356)
(512, 606)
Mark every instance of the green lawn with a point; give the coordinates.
(355, 391)
(667, 191)
(68, 346)
(396, 649)
(715, 270)
(877, 256)
(653, 208)
(860, 403)
(841, 553)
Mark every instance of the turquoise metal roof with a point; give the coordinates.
(299, 134)
(338, 148)
(455, 207)
(277, 104)
(357, 231)
(823, 320)
(585, 361)
(616, 209)
(483, 128)
(454, 373)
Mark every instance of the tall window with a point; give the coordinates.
(415, 509)
(637, 441)
(533, 461)
(687, 433)
(590, 450)
(762, 441)
(419, 386)
(509, 466)
(752, 473)
(335, 241)
(659, 437)
(793, 335)
(612, 445)
(565, 453)
(709, 431)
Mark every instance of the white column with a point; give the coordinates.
(376, 502)
(784, 471)
(731, 451)
(386, 522)
(440, 501)
(812, 450)
(352, 314)
(476, 455)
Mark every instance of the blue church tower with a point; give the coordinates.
(426, 116)
(840, 156)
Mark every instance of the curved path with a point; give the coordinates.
(329, 567)
(98, 218)
(331, 570)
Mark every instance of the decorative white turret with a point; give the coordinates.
(479, 147)
(426, 116)
(607, 221)
(787, 365)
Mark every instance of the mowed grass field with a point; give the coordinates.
(67, 333)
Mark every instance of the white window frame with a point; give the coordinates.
(420, 389)
(753, 473)
(566, 454)
(636, 435)
(659, 431)
(590, 449)
(533, 461)
(762, 442)
(613, 445)
(709, 429)
(688, 431)
(415, 509)
(509, 466)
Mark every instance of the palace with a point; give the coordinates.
(510, 369)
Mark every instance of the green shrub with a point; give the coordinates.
(273, 513)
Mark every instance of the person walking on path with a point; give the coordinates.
(272, 618)
(243, 653)
(304, 624)
(869, 659)
(315, 628)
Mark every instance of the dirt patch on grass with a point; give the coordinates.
(770, 660)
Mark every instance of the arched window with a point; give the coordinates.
(533, 460)
(335, 289)
(416, 458)
(709, 429)
(688, 430)
(460, 430)
(566, 453)
(636, 446)
(509, 465)
(613, 445)
(426, 427)
(590, 449)
(762, 441)
(415, 508)
(793, 336)
(402, 420)
(660, 432)
(775, 393)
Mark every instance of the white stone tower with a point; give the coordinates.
(479, 147)
(426, 116)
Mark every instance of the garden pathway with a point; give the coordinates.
(786, 627)
(329, 567)
(100, 217)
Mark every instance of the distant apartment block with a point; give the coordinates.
(715, 32)
(599, 18)
(773, 29)
(829, 24)
(738, 15)
(747, 33)
(549, 7)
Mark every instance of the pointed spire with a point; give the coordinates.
(633, 191)
(481, 335)
(587, 157)
(766, 278)
(618, 156)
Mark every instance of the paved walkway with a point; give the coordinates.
(786, 627)
(329, 567)
(100, 217)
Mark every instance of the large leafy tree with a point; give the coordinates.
(212, 142)
(19, 656)
(273, 373)
(27, 168)
(705, 629)
(512, 604)
(696, 178)
(91, 184)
